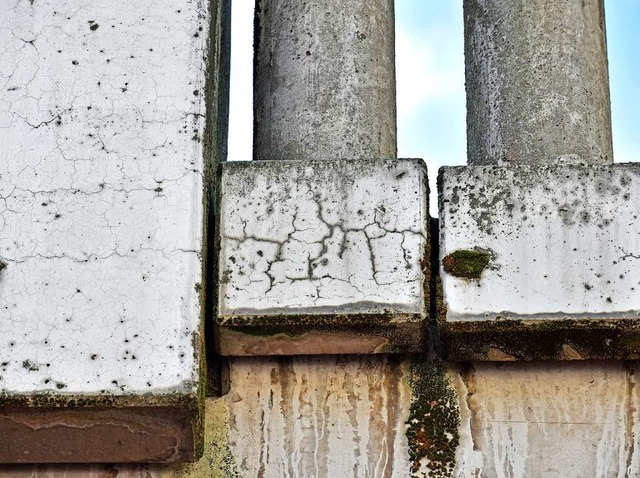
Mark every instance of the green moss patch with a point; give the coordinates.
(466, 263)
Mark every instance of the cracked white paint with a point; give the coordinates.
(326, 236)
(564, 241)
(101, 188)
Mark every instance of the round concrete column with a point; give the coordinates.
(324, 80)
(537, 81)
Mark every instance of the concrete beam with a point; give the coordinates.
(104, 176)
(537, 82)
(322, 257)
(324, 80)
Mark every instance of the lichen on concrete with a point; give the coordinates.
(560, 242)
(434, 419)
(218, 460)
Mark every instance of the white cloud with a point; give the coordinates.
(241, 82)
(422, 75)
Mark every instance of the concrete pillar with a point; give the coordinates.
(324, 80)
(109, 130)
(537, 82)
(537, 91)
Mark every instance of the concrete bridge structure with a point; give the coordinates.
(164, 313)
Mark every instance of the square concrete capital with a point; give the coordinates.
(322, 257)
(540, 262)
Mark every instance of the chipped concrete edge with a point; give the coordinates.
(299, 334)
(514, 340)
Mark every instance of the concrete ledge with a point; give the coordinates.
(539, 262)
(100, 429)
(319, 335)
(511, 340)
(322, 257)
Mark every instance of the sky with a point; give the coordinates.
(430, 81)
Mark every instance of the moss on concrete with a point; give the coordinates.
(513, 339)
(106, 400)
(466, 263)
(434, 418)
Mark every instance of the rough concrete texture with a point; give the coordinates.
(102, 177)
(330, 246)
(351, 415)
(324, 82)
(537, 82)
(543, 243)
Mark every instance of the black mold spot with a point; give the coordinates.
(30, 366)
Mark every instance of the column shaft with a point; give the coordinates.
(537, 82)
(324, 80)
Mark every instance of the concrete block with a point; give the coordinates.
(540, 262)
(102, 179)
(322, 257)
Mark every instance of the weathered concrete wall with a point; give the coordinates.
(537, 81)
(549, 420)
(346, 417)
(324, 80)
(307, 417)
(386, 417)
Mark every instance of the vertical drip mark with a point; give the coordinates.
(630, 439)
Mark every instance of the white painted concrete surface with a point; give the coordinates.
(564, 241)
(101, 185)
(322, 237)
